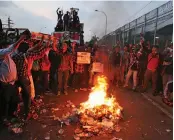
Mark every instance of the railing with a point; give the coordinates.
(150, 22)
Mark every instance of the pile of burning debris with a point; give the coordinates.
(99, 115)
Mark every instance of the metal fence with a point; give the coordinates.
(150, 25)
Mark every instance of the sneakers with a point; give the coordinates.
(83, 89)
(154, 93)
(76, 90)
(47, 91)
(66, 93)
(58, 94)
(125, 86)
(134, 89)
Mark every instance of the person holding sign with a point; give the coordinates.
(78, 69)
(97, 68)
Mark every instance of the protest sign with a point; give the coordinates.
(83, 58)
(97, 67)
(38, 36)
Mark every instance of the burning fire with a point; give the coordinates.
(99, 115)
(99, 102)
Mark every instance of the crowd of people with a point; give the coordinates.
(38, 67)
(70, 20)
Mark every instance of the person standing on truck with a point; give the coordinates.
(66, 20)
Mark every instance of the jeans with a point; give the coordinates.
(52, 80)
(45, 80)
(129, 74)
(63, 80)
(32, 88)
(166, 78)
(8, 99)
(141, 76)
(122, 72)
(168, 89)
(148, 76)
(36, 79)
(24, 83)
(77, 80)
(116, 73)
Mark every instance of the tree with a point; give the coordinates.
(93, 40)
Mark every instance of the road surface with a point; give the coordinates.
(142, 120)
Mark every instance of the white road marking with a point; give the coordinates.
(158, 106)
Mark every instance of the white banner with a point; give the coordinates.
(97, 67)
(38, 36)
(83, 58)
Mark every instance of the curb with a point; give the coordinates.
(158, 106)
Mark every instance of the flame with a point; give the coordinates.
(99, 100)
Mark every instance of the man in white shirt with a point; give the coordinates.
(8, 76)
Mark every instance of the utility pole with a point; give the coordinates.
(9, 23)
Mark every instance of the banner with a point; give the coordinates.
(38, 36)
(83, 58)
(58, 35)
(97, 67)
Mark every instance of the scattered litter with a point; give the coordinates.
(55, 109)
(35, 116)
(114, 138)
(17, 130)
(43, 111)
(76, 138)
(168, 130)
(47, 138)
(117, 129)
(157, 130)
(44, 126)
(61, 131)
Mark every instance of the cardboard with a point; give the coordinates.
(97, 67)
(83, 58)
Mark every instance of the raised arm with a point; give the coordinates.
(37, 46)
(37, 54)
(57, 11)
(12, 48)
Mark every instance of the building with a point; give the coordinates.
(155, 26)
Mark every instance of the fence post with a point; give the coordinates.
(144, 31)
(155, 27)
(115, 37)
(129, 33)
(135, 30)
(123, 35)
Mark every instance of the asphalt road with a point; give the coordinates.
(142, 120)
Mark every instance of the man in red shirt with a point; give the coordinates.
(151, 71)
(66, 66)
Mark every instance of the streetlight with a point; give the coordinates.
(42, 28)
(106, 19)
